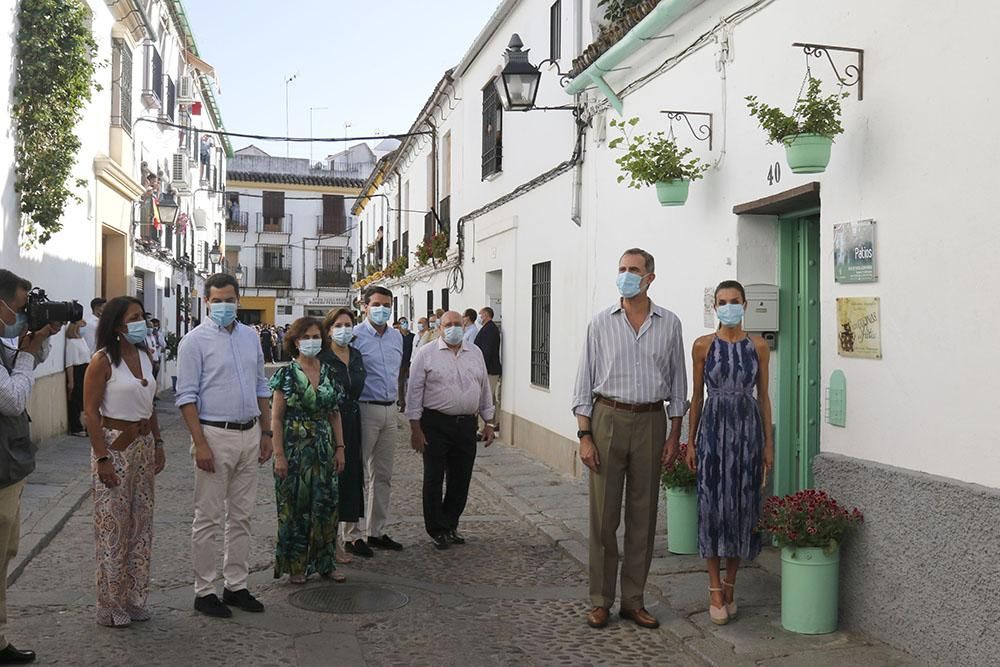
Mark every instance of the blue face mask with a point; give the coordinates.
(343, 336)
(222, 314)
(453, 335)
(310, 347)
(629, 284)
(136, 332)
(379, 315)
(730, 314)
(14, 330)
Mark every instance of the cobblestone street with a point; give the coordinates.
(510, 596)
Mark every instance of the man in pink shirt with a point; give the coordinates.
(448, 388)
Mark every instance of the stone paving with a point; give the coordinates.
(511, 596)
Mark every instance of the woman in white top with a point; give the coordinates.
(127, 453)
(77, 356)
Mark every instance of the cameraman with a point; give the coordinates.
(17, 453)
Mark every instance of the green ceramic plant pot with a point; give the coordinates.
(674, 192)
(809, 585)
(682, 520)
(807, 153)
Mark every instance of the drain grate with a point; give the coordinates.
(348, 599)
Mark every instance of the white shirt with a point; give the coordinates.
(125, 395)
(77, 352)
(89, 332)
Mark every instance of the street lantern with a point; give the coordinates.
(215, 255)
(518, 81)
(239, 272)
(168, 208)
(348, 265)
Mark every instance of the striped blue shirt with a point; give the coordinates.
(619, 364)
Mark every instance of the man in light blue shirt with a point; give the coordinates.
(470, 326)
(381, 347)
(223, 396)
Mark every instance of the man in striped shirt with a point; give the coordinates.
(632, 364)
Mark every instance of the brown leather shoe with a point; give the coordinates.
(640, 617)
(597, 617)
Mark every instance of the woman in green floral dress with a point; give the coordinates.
(308, 456)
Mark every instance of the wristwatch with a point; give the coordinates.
(102, 459)
(580, 434)
(269, 434)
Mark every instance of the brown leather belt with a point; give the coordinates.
(129, 431)
(630, 407)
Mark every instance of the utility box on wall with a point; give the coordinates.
(762, 308)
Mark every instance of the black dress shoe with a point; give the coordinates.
(359, 548)
(211, 605)
(242, 599)
(454, 537)
(11, 656)
(441, 541)
(385, 542)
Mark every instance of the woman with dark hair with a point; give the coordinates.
(308, 456)
(127, 452)
(734, 445)
(349, 370)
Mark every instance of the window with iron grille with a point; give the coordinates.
(430, 302)
(492, 130)
(444, 212)
(273, 266)
(204, 255)
(555, 30)
(171, 99)
(330, 268)
(541, 316)
(152, 86)
(121, 85)
(444, 298)
(428, 225)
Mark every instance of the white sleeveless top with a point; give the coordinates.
(124, 396)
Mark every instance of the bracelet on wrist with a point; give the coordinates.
(159, 443)
(339, 447)
(102, 459)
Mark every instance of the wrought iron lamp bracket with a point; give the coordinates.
(853, 75)
(564, 77)
(703, 132)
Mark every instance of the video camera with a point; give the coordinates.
(42, 311)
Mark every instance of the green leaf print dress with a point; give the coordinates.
(307, 497)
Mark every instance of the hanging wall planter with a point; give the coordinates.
(807, 134)
(656, 159)
(808, 526)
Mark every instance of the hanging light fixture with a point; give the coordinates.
(215, 255)
(239, 273)
(518, 81)
(168, 206)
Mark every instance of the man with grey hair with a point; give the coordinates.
(632, 364)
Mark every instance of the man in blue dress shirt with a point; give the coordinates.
(381, 347)
(223, 396)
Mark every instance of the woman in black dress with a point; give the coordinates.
(349, 370)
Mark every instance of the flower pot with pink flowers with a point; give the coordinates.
(678, 481)
(808, 526)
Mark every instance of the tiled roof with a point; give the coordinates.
(295, 179)
(611, 35)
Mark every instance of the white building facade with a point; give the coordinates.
(107, 246)
(537, 224)
(288, 236)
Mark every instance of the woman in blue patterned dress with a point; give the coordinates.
(308, 456)
(733, 444)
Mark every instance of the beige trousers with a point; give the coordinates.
(10, 534)
(495, 393)
(630, 446)
(379, 437)
(228, 493)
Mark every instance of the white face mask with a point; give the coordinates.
(310, 347)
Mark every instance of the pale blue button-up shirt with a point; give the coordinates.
(221, 372)
(383, 354)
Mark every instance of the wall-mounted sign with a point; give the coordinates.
(859, 327)
(854, 252)
(325, 300)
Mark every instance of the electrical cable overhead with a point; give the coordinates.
(266, 137)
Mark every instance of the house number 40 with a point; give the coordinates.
(774, 173)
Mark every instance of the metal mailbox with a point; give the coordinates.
(762, 308)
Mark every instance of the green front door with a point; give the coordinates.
(798, 408)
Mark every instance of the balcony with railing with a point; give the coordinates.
(330, 226)
(273, 276)
(274, 224)
(332, 278)
(238, 222)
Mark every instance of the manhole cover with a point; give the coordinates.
(348, 599)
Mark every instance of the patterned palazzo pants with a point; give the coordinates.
(123, 532)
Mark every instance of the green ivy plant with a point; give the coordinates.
(617, 10)
(813, 114)
(652, 158)
(55, 67)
